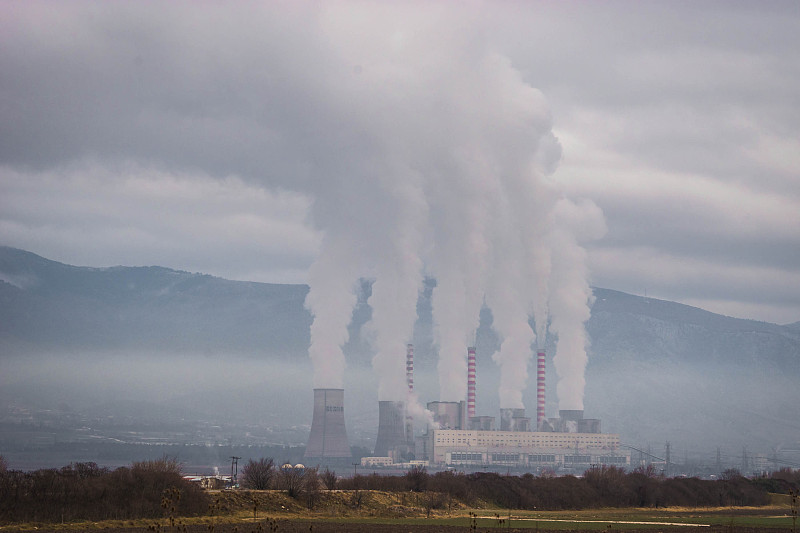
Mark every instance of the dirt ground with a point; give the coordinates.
(323, 526)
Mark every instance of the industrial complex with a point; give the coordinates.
(456, 436)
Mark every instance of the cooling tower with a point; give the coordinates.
(328, 438)
(470, 382)
(540, 374)
(391, 430)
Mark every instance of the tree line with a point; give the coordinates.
(85, 491)
(601, 486)
(152, 489)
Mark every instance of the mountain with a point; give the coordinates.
(658, 370)
(46, 305)
(664, 371)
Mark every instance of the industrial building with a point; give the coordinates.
(577, 445)
(459, 437)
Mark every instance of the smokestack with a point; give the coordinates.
(470, 382)
(410, 367)
(328, 438)
(391, 430)
(540, 365)
(410, 382)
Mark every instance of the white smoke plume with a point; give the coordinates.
(422, 417)
(331, 301)
(570, 294)
(521, 273)
(440, 166)
(398, 277)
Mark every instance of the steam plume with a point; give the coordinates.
(440, 168)
(570, 295)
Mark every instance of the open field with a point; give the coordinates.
(375, 516)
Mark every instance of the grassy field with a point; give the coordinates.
(407, 513)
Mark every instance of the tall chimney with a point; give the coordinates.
(410, 381)
(328, 438)
(540, 364)
(470, 382)
(410, 367)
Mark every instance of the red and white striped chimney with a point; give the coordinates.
(410, 367)
(410, 382)
(471, 381)
(540, 361)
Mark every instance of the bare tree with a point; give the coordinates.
(329, 478)
(291, 480)
(417, 478)
(3, 464)
(257, 475)
(164, 465)
(311, 484)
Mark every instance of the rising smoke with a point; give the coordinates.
(447, 175)
(570, 295)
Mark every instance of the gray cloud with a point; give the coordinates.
(679, 119)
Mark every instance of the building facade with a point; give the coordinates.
(528, 449)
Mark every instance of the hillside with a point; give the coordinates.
(657, 370)
(47, 305)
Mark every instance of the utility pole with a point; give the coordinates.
(719, 461)
(666, 466)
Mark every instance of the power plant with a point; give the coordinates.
(456, 436)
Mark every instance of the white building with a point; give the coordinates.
(520, 448)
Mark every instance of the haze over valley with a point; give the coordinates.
(151, 354)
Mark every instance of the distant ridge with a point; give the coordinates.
(49, 305)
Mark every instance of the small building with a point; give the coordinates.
(376, 461)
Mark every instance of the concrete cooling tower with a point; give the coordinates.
(391, 430)
(328, 438)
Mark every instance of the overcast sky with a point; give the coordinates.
(185, 135)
